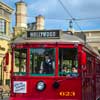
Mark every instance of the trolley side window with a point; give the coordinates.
(42, 61)
(68, 62)
(97, 68)
(90, 64)
(20, 62)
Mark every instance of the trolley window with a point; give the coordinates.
(20, 62)
(68, 62)
(42, 61)
(97, 68)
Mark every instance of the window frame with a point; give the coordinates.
(19, 73)
(52, 47)
(69, 47)
(2, 26)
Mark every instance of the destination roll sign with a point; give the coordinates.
(43, 34)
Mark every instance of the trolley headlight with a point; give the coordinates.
(40, 86)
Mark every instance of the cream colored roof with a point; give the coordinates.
(85, 31)
(65, 38)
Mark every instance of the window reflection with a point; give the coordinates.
(20, 61)
(42, 61)
(68, 62)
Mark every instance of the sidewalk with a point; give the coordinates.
(5, 97)
(4, 92)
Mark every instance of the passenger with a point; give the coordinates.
(74, 71)
(47, 66)
(65, 71)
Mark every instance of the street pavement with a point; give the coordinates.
(5, 98)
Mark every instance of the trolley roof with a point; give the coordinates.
(51, 36)
(61, 37)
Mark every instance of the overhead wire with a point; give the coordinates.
(65, 8)
(92, 18)
(67, 11)
(74, 19)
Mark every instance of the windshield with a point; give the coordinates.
(42, 61)
(68, 62)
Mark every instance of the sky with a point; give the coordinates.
(56, 17)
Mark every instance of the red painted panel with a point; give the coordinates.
(69, 89)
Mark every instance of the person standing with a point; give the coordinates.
(47, 66)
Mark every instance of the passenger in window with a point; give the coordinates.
(47, 66)
(74, 71)
(65, 71)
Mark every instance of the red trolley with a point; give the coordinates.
(54, 65)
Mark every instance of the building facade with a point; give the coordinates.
(21, 18)
(92, 38)
(21, 24)
(5, 20)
